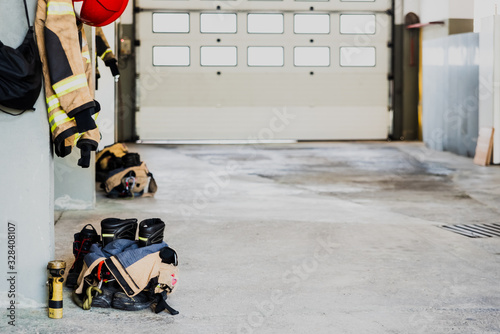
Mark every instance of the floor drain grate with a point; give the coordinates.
(475, 230)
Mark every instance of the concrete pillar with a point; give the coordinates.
(27, 198)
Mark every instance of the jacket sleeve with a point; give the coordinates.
(104, 51)
(66, 71)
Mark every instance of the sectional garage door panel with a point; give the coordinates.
(265, 123)
(223, 74)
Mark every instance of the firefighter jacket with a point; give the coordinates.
(103, 51)
(132, 266)
(67, 75)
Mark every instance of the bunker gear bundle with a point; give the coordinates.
(20, 72)
(124, 273)
(130, 182)
(67, 76)
(99, 13)
(113, 157)
(122, 174)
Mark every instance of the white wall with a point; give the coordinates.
(128, 15)
(403, 7)
(461, 9)
(482, 9)
(438, 10)
(434, 10)
(105, 94)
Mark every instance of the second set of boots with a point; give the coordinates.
(150, 230)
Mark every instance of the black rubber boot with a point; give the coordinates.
(81, 246)
(105, 299)
(142, 300)
(151, 231)
(115, 228)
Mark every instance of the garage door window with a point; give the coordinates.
(265, 23)
(171, 56)
(311, 56)
(311, 23)
(357, 24)
(218, 56)
(171, 22)
(218, 23)
(357, 56)
(266, 56)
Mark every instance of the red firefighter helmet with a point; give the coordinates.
(99, 13)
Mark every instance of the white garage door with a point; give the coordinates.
(246, 69)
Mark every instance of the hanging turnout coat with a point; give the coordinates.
(67, 75)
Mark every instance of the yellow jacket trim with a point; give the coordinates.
(52, 103)
(86, 55)
(51, 98)
(70, 84)
(105, 53)
(54, 115)
(58, 118)
(59, 8)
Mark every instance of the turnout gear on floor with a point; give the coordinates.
(81, 246)
(115, 228)
(130, 182)
(99, 13)
(113, 157)
(149, 271)
(67, 76)
(151, 232)
(20, 72)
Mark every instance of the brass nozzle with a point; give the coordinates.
(56, 264)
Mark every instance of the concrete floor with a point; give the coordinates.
(308, 238)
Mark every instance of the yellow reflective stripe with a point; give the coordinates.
(52, 103)
(105, 53)
(86, 55)
(59, 8)
(70, 84)
(58, 120)
(56, 114)
(104, 235)
(51, 98)
(53, 106)
(143, 239)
